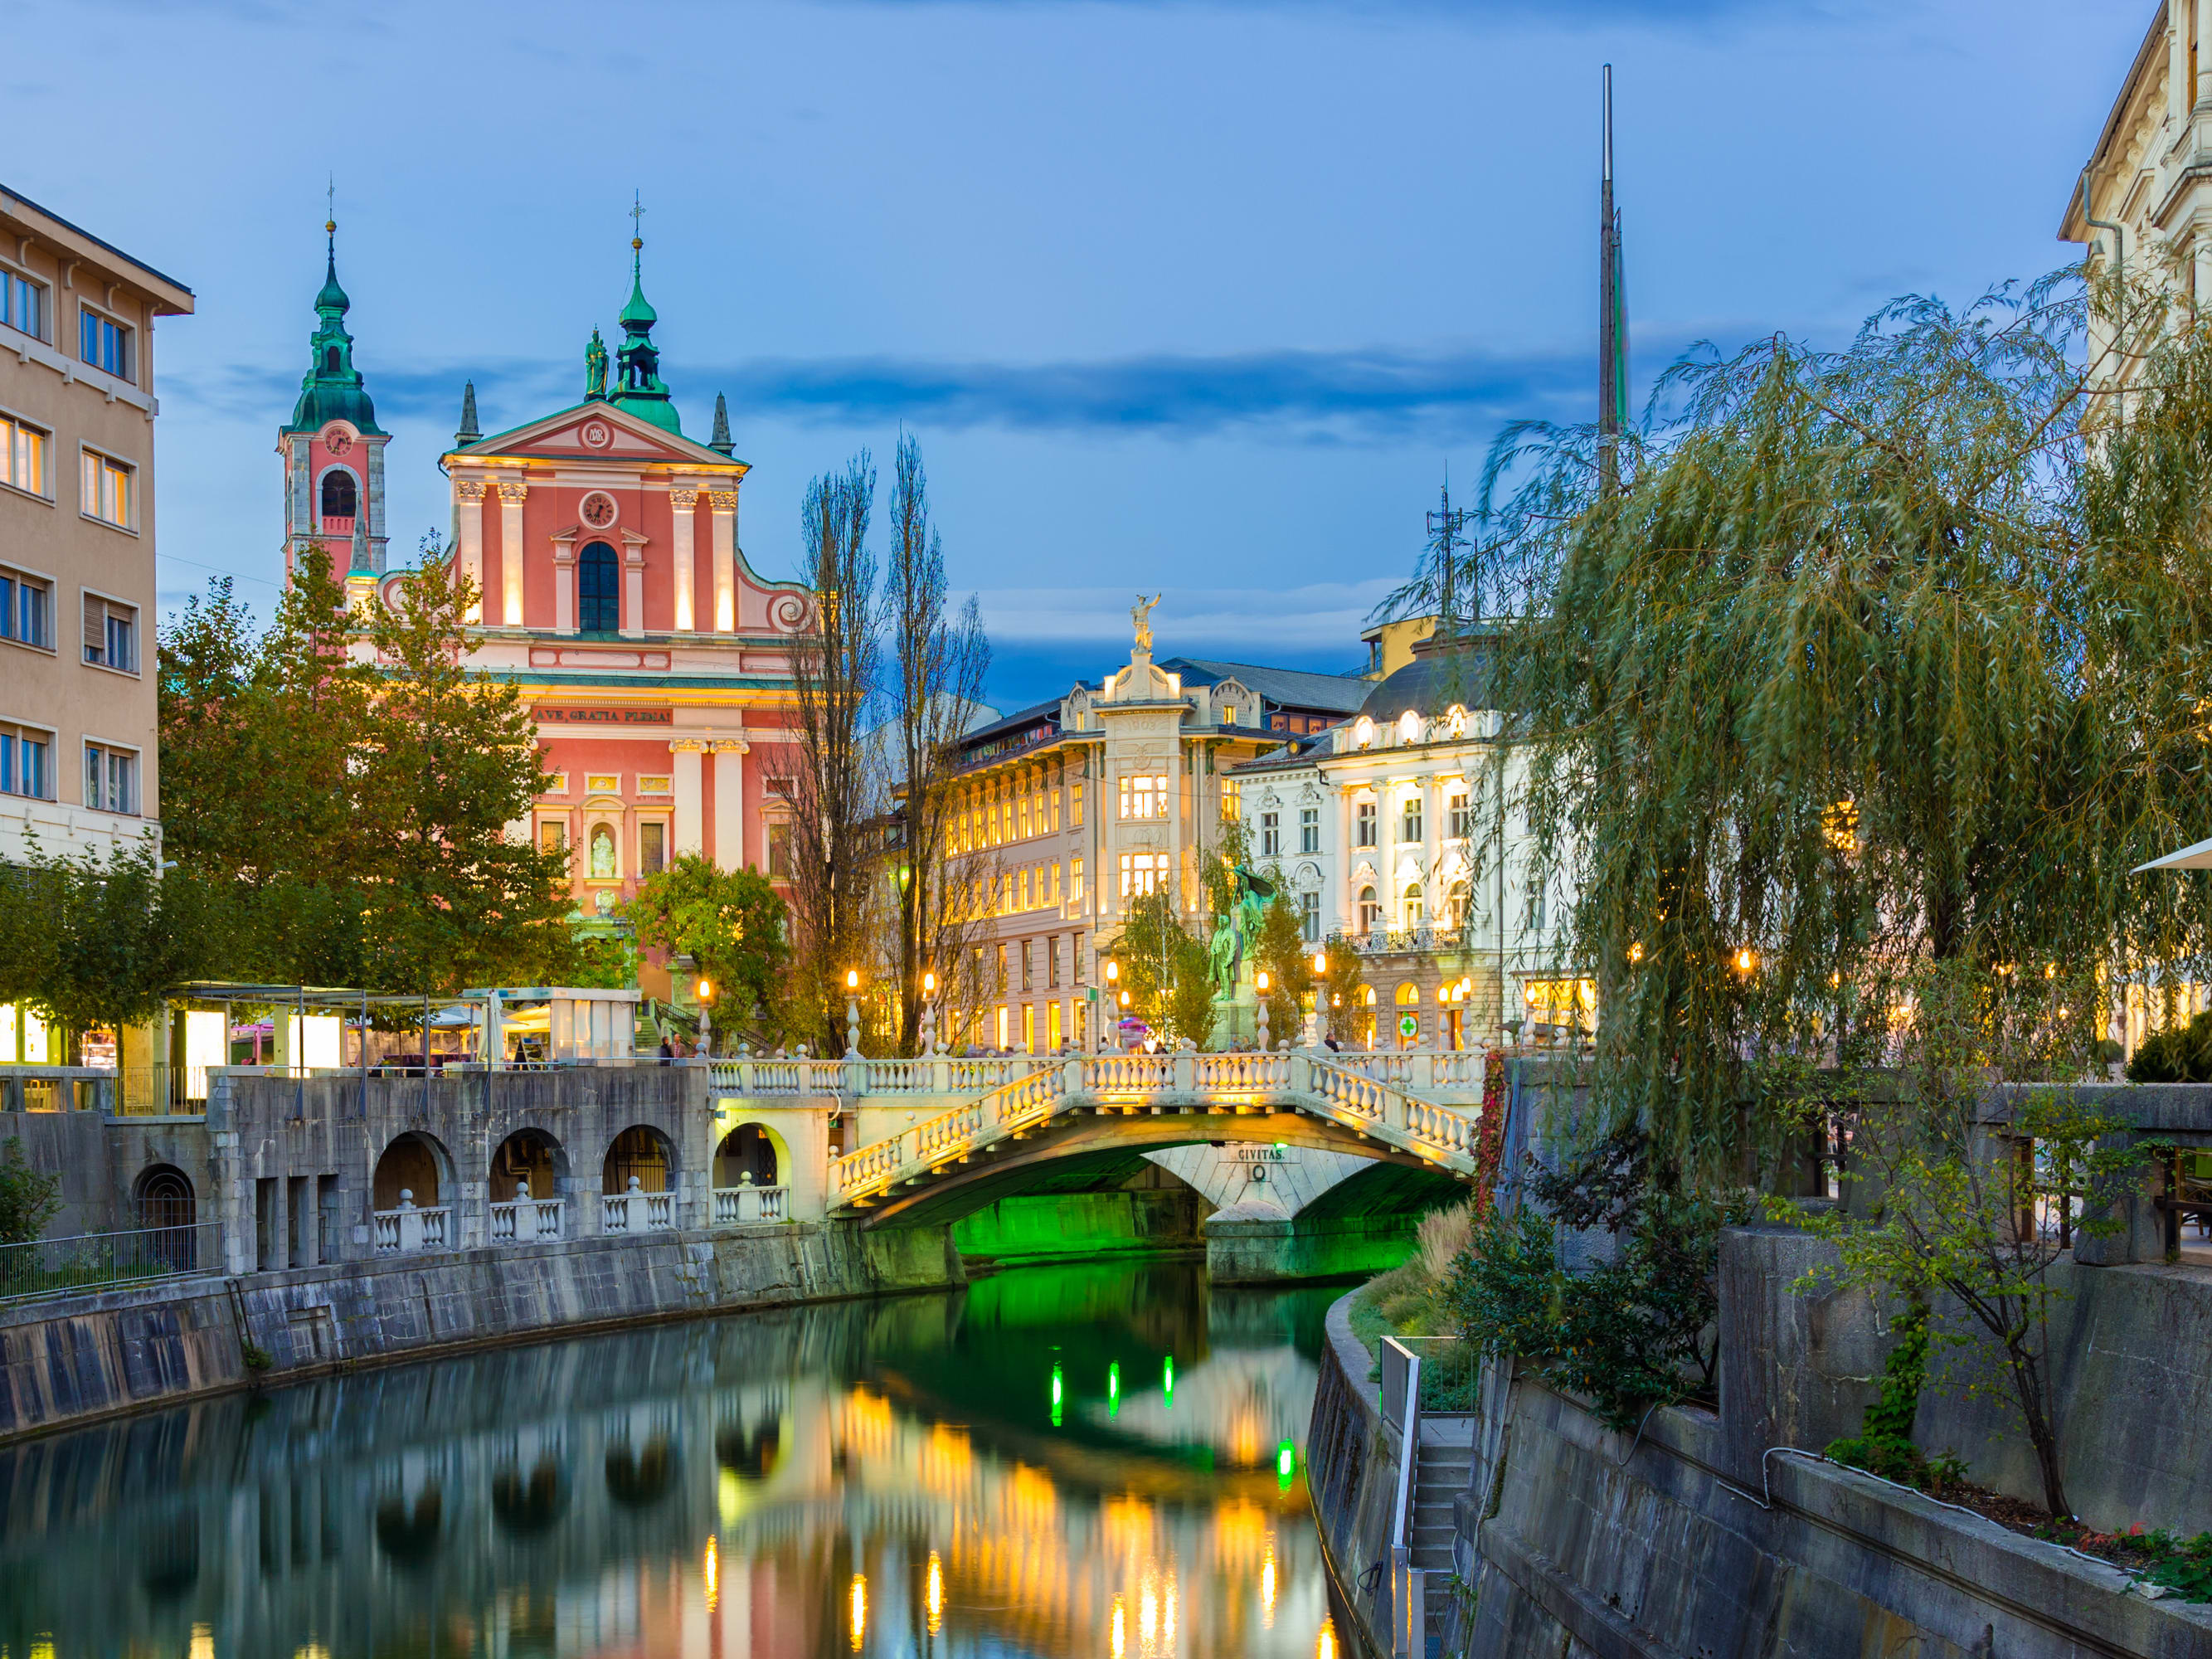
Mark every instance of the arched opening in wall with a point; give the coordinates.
(598, 590)
(410, 1164)
(641, 1153)
(339, 500)
(750, 1449)
(527, 1504)
(640, 1477)
(407, 1530)
(1371, 910)
(605, 860)
(1408, 1022)
(529, 1164)
(331, 359)
(1410, 906)
(163, 1198)
(1455, 905)
(749, 1150)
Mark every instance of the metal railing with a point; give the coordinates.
(1401, 1409)
(92, 1261)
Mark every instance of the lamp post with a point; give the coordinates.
(1260, 994)
(928, 1012)
(706, 1018)
(1116, 999)
(851, 1013)
(1322, 1024)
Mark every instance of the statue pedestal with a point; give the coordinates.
(1236, 1021)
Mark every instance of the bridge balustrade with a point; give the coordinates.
(1237, 1074)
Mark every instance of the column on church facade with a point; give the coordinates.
(683, 502)
(564, 584)
(690, 832)
(730, 802)
(468, 515)
(633, 595)
(724, 503)
(511, 497)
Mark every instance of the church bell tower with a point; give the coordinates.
(333, 447)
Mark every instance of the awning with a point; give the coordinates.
(2198, 857)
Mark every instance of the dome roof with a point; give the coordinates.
(1464, 672)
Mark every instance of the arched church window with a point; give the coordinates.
(338, 497)
(598, 604)
(329, 359)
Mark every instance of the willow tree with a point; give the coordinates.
(1869, 661)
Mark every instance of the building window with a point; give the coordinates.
(24, 450)
(1412, 906)
(778, 849)
(26, 609)
(22, 303)
(1142, 873)
(1271, 834)
(338, 499)
(1409, 820)
(1023, 878)
(1028, 970)
(107, 487)
(1052, 965)
(1002, 983)
(111, 779)
(1309, 828)
(1075, 804)
(1052, 794)
(1229, 714)
(110, 633)
(104, 343)
(1455, 905)
(1075, 960)
(552, 835)
(27, 761)
(652, 848)
(1055, 881)
(1232, 799)
(1075, 881)
(599, 584)
(1145, 797)
(1363, 824)
(1462, 817)
(1370, 911)
(1309, 917)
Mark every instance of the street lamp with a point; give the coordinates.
(1260, 986)
(928, 1012)
(851, 1013)
(706, 1017)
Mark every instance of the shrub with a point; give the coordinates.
(28, 1199)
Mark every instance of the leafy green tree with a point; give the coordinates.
(1283, 952)
(734, 926)
(1961, 1216)
(98, 941)
(1871, 661)
(1166, 971)
(28, 1199)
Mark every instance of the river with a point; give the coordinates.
(1102, 1461)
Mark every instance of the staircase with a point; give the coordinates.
(1441, 1470)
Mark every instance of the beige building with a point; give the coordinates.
(1075, 807)
(77, 751)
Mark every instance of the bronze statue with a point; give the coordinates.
(595, 367)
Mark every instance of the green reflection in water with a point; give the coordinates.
(981, 1473)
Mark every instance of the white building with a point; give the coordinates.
(1400, 836)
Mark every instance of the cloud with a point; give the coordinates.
(1367, 395)
(1319, 616)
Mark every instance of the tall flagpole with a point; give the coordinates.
(1612, 392)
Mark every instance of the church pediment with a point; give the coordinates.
(599, 431)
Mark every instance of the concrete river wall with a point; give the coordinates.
(68, 1361)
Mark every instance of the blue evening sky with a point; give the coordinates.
(1200, 298)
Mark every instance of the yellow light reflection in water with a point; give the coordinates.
(1268, 1586)
(1120, 1628)
(860, 1610)
(1168, 1625)
(936, 1594)
(43, 1648)
(202, 1644)
(1325, 1644)
(710, 1569)
(1148, 1613)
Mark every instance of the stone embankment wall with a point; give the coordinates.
(67, 1361)
(1579, 1541)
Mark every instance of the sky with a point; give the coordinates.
(1198, 299)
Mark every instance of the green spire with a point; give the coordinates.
(640, 389)
(331, 389)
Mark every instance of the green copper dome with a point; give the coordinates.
(331, 389)
(639, 387)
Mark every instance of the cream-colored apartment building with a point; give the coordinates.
(78, 752)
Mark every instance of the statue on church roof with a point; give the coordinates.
(595, 367)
